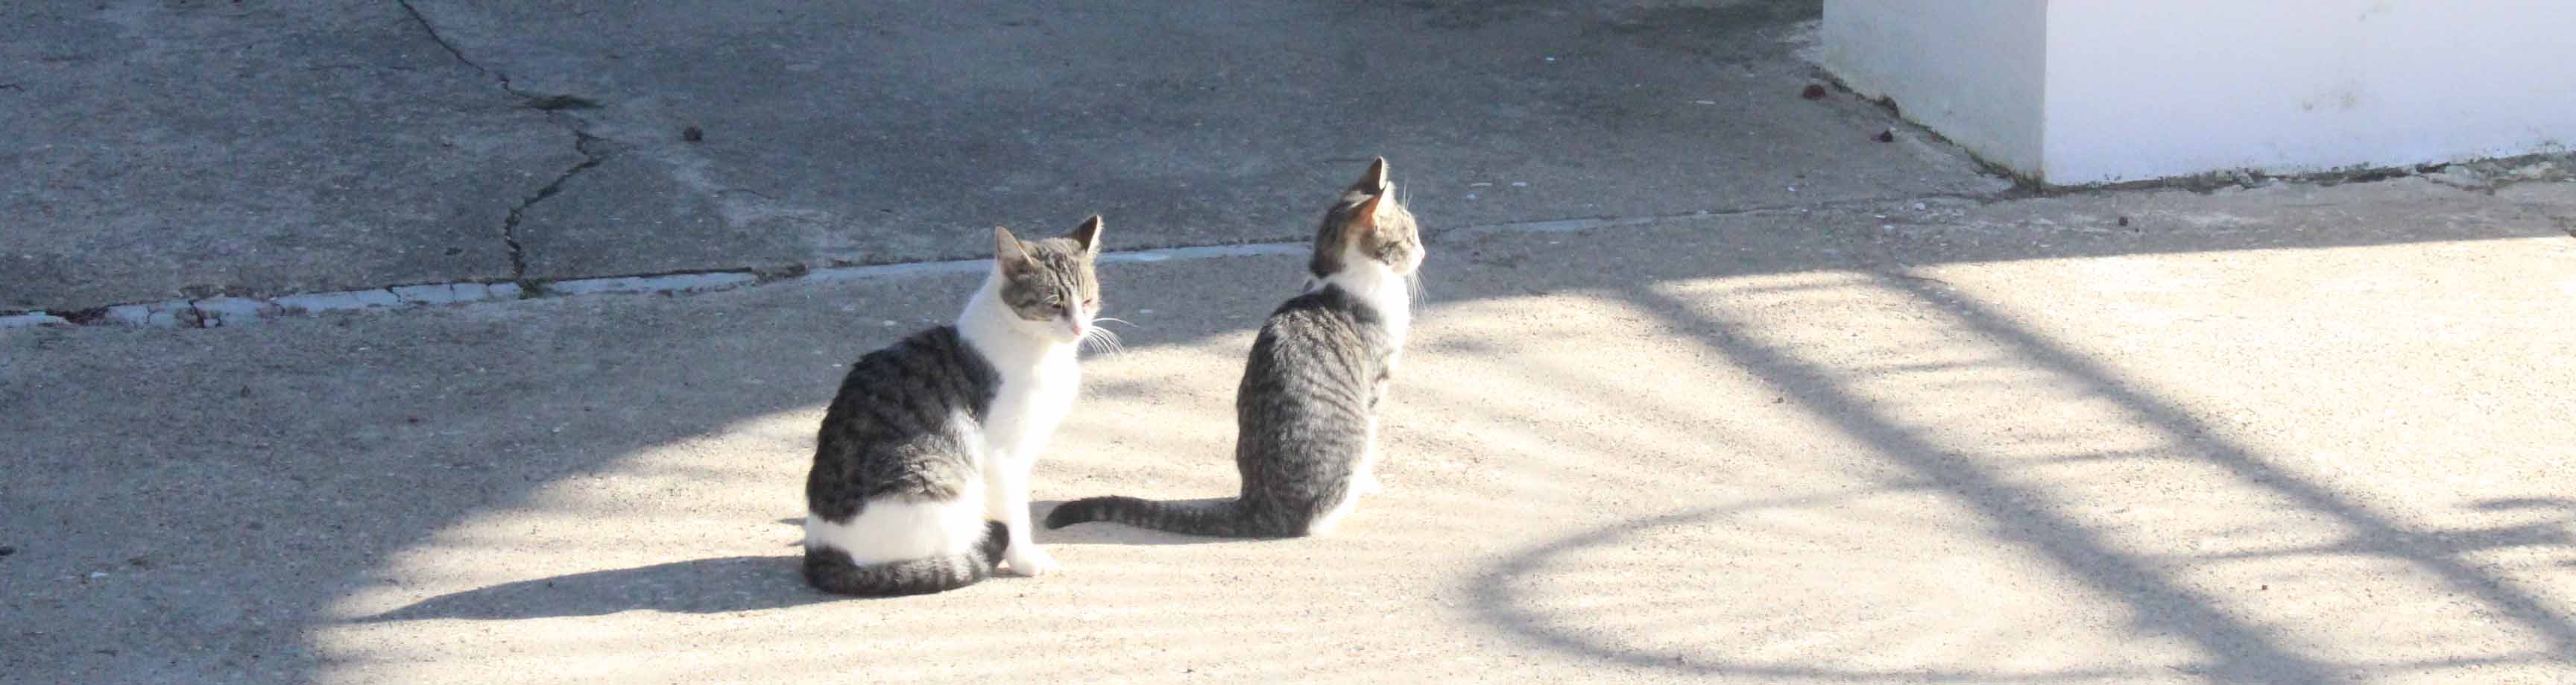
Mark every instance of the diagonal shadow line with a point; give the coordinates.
(2376, 534)
(2454, 542)
(2245, 652)
(1507, 606)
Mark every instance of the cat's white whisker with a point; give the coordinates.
(1103, 340)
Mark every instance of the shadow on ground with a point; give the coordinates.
(1940, 397)
(697, 586)
(2237, 647)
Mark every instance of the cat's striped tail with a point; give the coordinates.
(1225, 518)
(831, 570)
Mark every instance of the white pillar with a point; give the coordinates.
(2075, 92)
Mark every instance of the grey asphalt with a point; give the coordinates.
(166, 150)
(1894, 425)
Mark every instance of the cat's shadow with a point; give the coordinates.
(697, 586)
(705, 586)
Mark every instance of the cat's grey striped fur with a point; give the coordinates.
(924, 451)
(1306, 411)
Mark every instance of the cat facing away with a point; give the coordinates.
(921, 468)
(1306, 413)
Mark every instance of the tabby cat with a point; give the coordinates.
(1306, 413)
(921, 470)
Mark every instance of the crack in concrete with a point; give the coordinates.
(554, 105)
(441, 40)
(582, 142)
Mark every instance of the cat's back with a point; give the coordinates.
(900, 419)
(1322, 337)
(935, 365)
(1326, 316)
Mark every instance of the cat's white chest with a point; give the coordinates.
(1029, 405)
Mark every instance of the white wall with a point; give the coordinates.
(2173, 87)
(1985, 96)
(2141, 89)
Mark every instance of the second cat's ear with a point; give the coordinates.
(1364, 218)
(1008, 251)
(1088, 236)
(1373, 182)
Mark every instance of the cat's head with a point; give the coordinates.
(1368, 226)
(1049, 284)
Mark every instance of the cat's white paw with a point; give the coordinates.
(1368, 484)
(1028, 560)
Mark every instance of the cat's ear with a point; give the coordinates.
(1364, 218)
(1088, 236)
(1008, 251)
(1373, 182)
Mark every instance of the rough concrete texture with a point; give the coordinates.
(190, 149)
(193, 149)
(2291, 434)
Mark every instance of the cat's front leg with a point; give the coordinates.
(1007, 501)
(1366, 483)
(1364, 472)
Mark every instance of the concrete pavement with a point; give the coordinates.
(162, 151)
(2288, 434)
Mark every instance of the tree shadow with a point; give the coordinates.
(2563, 505)
(697, 586)
(2237, 648)
(1500, 602)
(2375, 534)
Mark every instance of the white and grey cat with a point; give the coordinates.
(1307, 410)
(921, 469)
